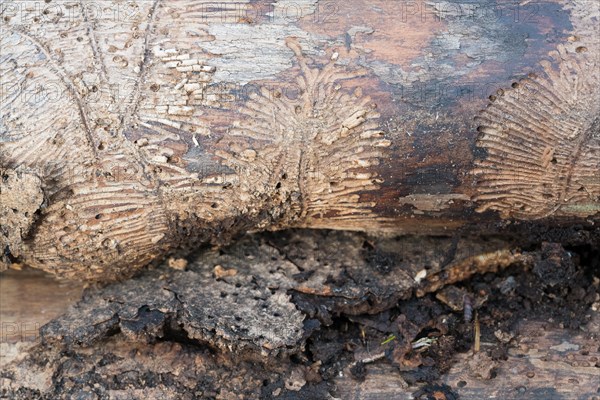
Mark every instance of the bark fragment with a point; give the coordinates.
(154, 336)
(21, 199)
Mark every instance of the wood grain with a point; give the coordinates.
(154, 126)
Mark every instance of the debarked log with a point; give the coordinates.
(131, 130)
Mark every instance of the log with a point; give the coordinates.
(133, 130)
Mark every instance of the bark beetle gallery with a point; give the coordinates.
(131, 131)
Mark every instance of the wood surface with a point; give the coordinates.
(29, 299)
(132, 130)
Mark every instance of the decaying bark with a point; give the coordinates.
(318, 315)
(537, 366)
(131, 130)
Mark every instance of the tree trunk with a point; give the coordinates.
(133, 129)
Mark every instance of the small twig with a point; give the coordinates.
(369, 360)
(386, 341)
(423, 343)
(477, 344)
